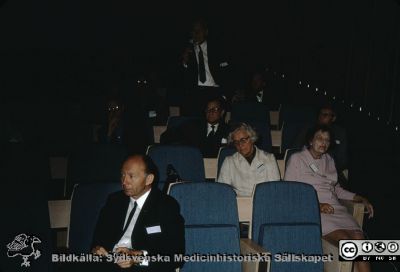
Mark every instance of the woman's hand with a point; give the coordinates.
(326, 208)
(367, 204)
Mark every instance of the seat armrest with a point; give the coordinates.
(157, 131)
(356, 209)
(263, 264)
(335, 265)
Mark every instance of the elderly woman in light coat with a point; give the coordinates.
(249, 165)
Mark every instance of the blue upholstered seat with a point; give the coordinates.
(187, 161)
(286, 219)
(86, 203)
(211, 223)
(222, 154)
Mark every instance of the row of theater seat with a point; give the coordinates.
(204, 201)
(102, 162)
(276, 128)
(212, 223)
(284, 219)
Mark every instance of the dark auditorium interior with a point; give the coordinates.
(60, 62)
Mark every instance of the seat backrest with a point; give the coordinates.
(222, 154)
(290, 134)
(289, 152)
(250, 111)
(211, 223)
(286, 218)
(95, 163)
(263, 130)
(177, 121)
(296, 114)
(86, 203)
(187, 161)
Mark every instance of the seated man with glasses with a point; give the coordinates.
(249, 165)
(208, 134)
(215, 131)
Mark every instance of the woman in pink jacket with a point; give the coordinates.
(313, 165)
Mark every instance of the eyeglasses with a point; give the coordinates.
(241, 141)
(113, 108)
(215, 109)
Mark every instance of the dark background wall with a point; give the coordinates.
(55, 54)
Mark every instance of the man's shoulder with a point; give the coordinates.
(163, 200)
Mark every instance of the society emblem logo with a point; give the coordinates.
(393, 247)
(349, 250)
(367, 247)
(380, 247)
(24, 245)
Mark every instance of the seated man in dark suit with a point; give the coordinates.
(216, 131)
(258, 91)
(208, 135)
(140, 221)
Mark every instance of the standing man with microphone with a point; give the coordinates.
(206, 70)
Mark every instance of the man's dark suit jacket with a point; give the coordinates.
(194, 133)
(158, 210)
(218, 63)
(210, 145)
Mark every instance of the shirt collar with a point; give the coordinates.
(252, 156)
(215, 126)
(255, 155)
(203, 46)
(140, 201)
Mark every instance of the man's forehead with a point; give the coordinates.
(212, 104)
(135, 163)
(326, 111)
(199, 25)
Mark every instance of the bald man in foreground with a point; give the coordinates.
(140, 221)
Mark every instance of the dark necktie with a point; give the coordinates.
(130, 218)
(202, 67)
(212, 132)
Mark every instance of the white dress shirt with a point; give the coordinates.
(209, 128)
(209, 78)
(260, 95)
(126, 240)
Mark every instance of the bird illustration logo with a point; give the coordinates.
(23, 245)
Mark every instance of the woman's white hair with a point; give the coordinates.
(245, 127)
